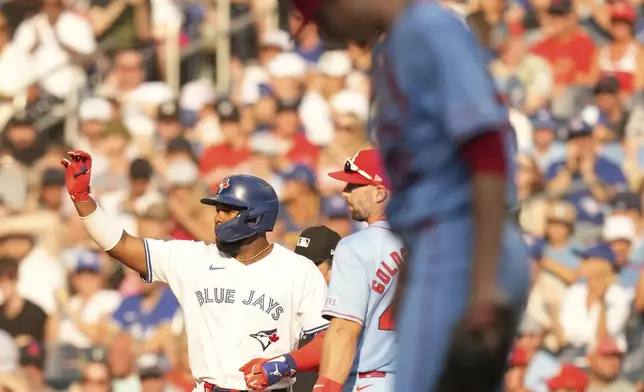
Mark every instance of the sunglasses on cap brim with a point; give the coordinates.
(350, 167)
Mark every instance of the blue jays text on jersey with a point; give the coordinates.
(260, 301)
(432, 93)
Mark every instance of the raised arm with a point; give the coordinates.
(104, 230)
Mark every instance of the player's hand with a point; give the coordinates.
(254, 375)
(260, 373)
(597, 288)
(479, 347)
(572, 160)
(78, 168)
(587, 168)
(480, 315)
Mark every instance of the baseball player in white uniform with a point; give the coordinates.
(242, 298)
(359, 348)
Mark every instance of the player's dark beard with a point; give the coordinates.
(230, 248)
(233, 249)
(357, 216)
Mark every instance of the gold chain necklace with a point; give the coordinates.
(258, 253)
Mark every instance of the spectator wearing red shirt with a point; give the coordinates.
(222, 159)
(295, 146)
(567, 48)
(622, 57)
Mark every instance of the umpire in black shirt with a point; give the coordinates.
(317, 244)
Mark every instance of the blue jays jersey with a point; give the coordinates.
(432, 93)
(363, 282)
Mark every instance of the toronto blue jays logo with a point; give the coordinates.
(225, 183)
(266, 338)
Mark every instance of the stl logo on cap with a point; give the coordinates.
(303, 242)
(225, 183)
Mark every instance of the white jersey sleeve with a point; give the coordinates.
(167, 259)
(312, 302)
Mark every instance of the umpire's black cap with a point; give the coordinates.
(317, 243)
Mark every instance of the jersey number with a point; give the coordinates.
(387, 322)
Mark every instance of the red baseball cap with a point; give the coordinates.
(569, 377)
(608, 347)
(623, 10)
(364, 168)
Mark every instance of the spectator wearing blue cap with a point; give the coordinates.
(335, 215)
(585, 179)
(264, 109)
(80, 318)
(596, 308)
(547, 150)
(301, 204)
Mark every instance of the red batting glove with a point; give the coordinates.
(262, 373)
(253, 374)
(77, 175)
(324, 384)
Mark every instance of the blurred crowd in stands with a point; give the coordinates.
(133, 83)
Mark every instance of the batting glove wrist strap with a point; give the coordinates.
(279, 368)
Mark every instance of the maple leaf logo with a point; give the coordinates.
(225, 183)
